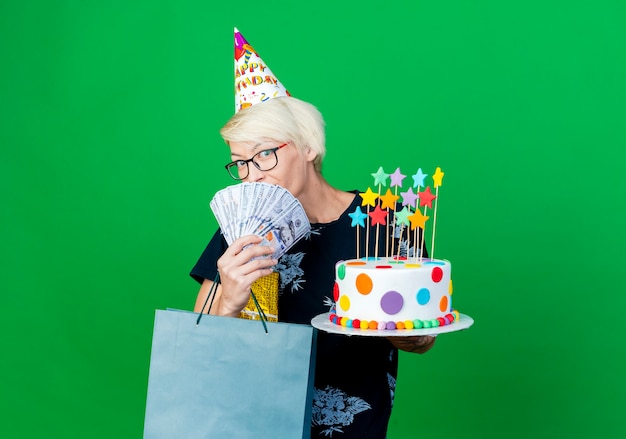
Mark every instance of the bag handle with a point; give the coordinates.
(262, 315)
(211, 295)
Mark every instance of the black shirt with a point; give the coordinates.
(355, 376)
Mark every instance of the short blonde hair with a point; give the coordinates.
(282, 119)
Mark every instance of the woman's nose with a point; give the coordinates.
(254, 174)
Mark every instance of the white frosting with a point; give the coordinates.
(386, 290)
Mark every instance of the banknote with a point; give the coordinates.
(262, 209)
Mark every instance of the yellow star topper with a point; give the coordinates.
(369, 197)
(437, 177)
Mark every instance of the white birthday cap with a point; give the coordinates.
(254, 81)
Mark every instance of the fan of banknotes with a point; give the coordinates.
(263, 209)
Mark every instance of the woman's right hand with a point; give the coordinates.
(242, 263)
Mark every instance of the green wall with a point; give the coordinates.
(110, 153)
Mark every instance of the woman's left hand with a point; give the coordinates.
(418, 344)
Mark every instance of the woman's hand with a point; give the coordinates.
(237, 271)
(417, 344)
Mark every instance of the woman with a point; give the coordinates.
(282, 141)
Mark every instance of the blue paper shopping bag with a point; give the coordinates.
(228, 378)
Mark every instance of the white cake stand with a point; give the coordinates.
(323, 323)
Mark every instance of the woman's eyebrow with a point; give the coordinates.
(256, 146)
(253, 149)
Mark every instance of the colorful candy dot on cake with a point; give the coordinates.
(332, 317)
(382, 326)
(373, 324)
(408, 324)
(391, 326)
(364, 284)
(443, 304)
(341, 271)
(442, 321)
(365, 324)
(423, 296)
(343, 321)
(356, 324)
(344, 303)
(449, 318)
(399, 325)
(434, 262)
(391, 302)
(427, 324)
(434, 323)
(336, 292)
(456, 315)
(417, 324)
(437, 274)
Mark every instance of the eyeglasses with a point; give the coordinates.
(263, 160)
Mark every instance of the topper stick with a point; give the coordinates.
(393, 238)
(415, 249)
(358, 240)
(387, 235)
(358, 221)
(380, 179)
(417, 191)
(396, 181)
(422, 237)
(432, 245)
(437, 177)
(376, 242)
(386, 229)
(404, 224)
(393, 230)
(367, 234)
(400, 241)
(377, 230)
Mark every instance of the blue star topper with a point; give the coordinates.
(358, 217)
(418, 178)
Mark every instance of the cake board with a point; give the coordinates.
(323, 323)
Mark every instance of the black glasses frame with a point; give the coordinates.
(237, 163)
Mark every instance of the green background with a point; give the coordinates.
(110, 153)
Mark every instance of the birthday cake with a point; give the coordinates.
(395, 293)
(398, 289)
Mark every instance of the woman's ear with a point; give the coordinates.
(310, 154)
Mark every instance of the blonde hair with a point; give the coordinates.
(282, 119)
